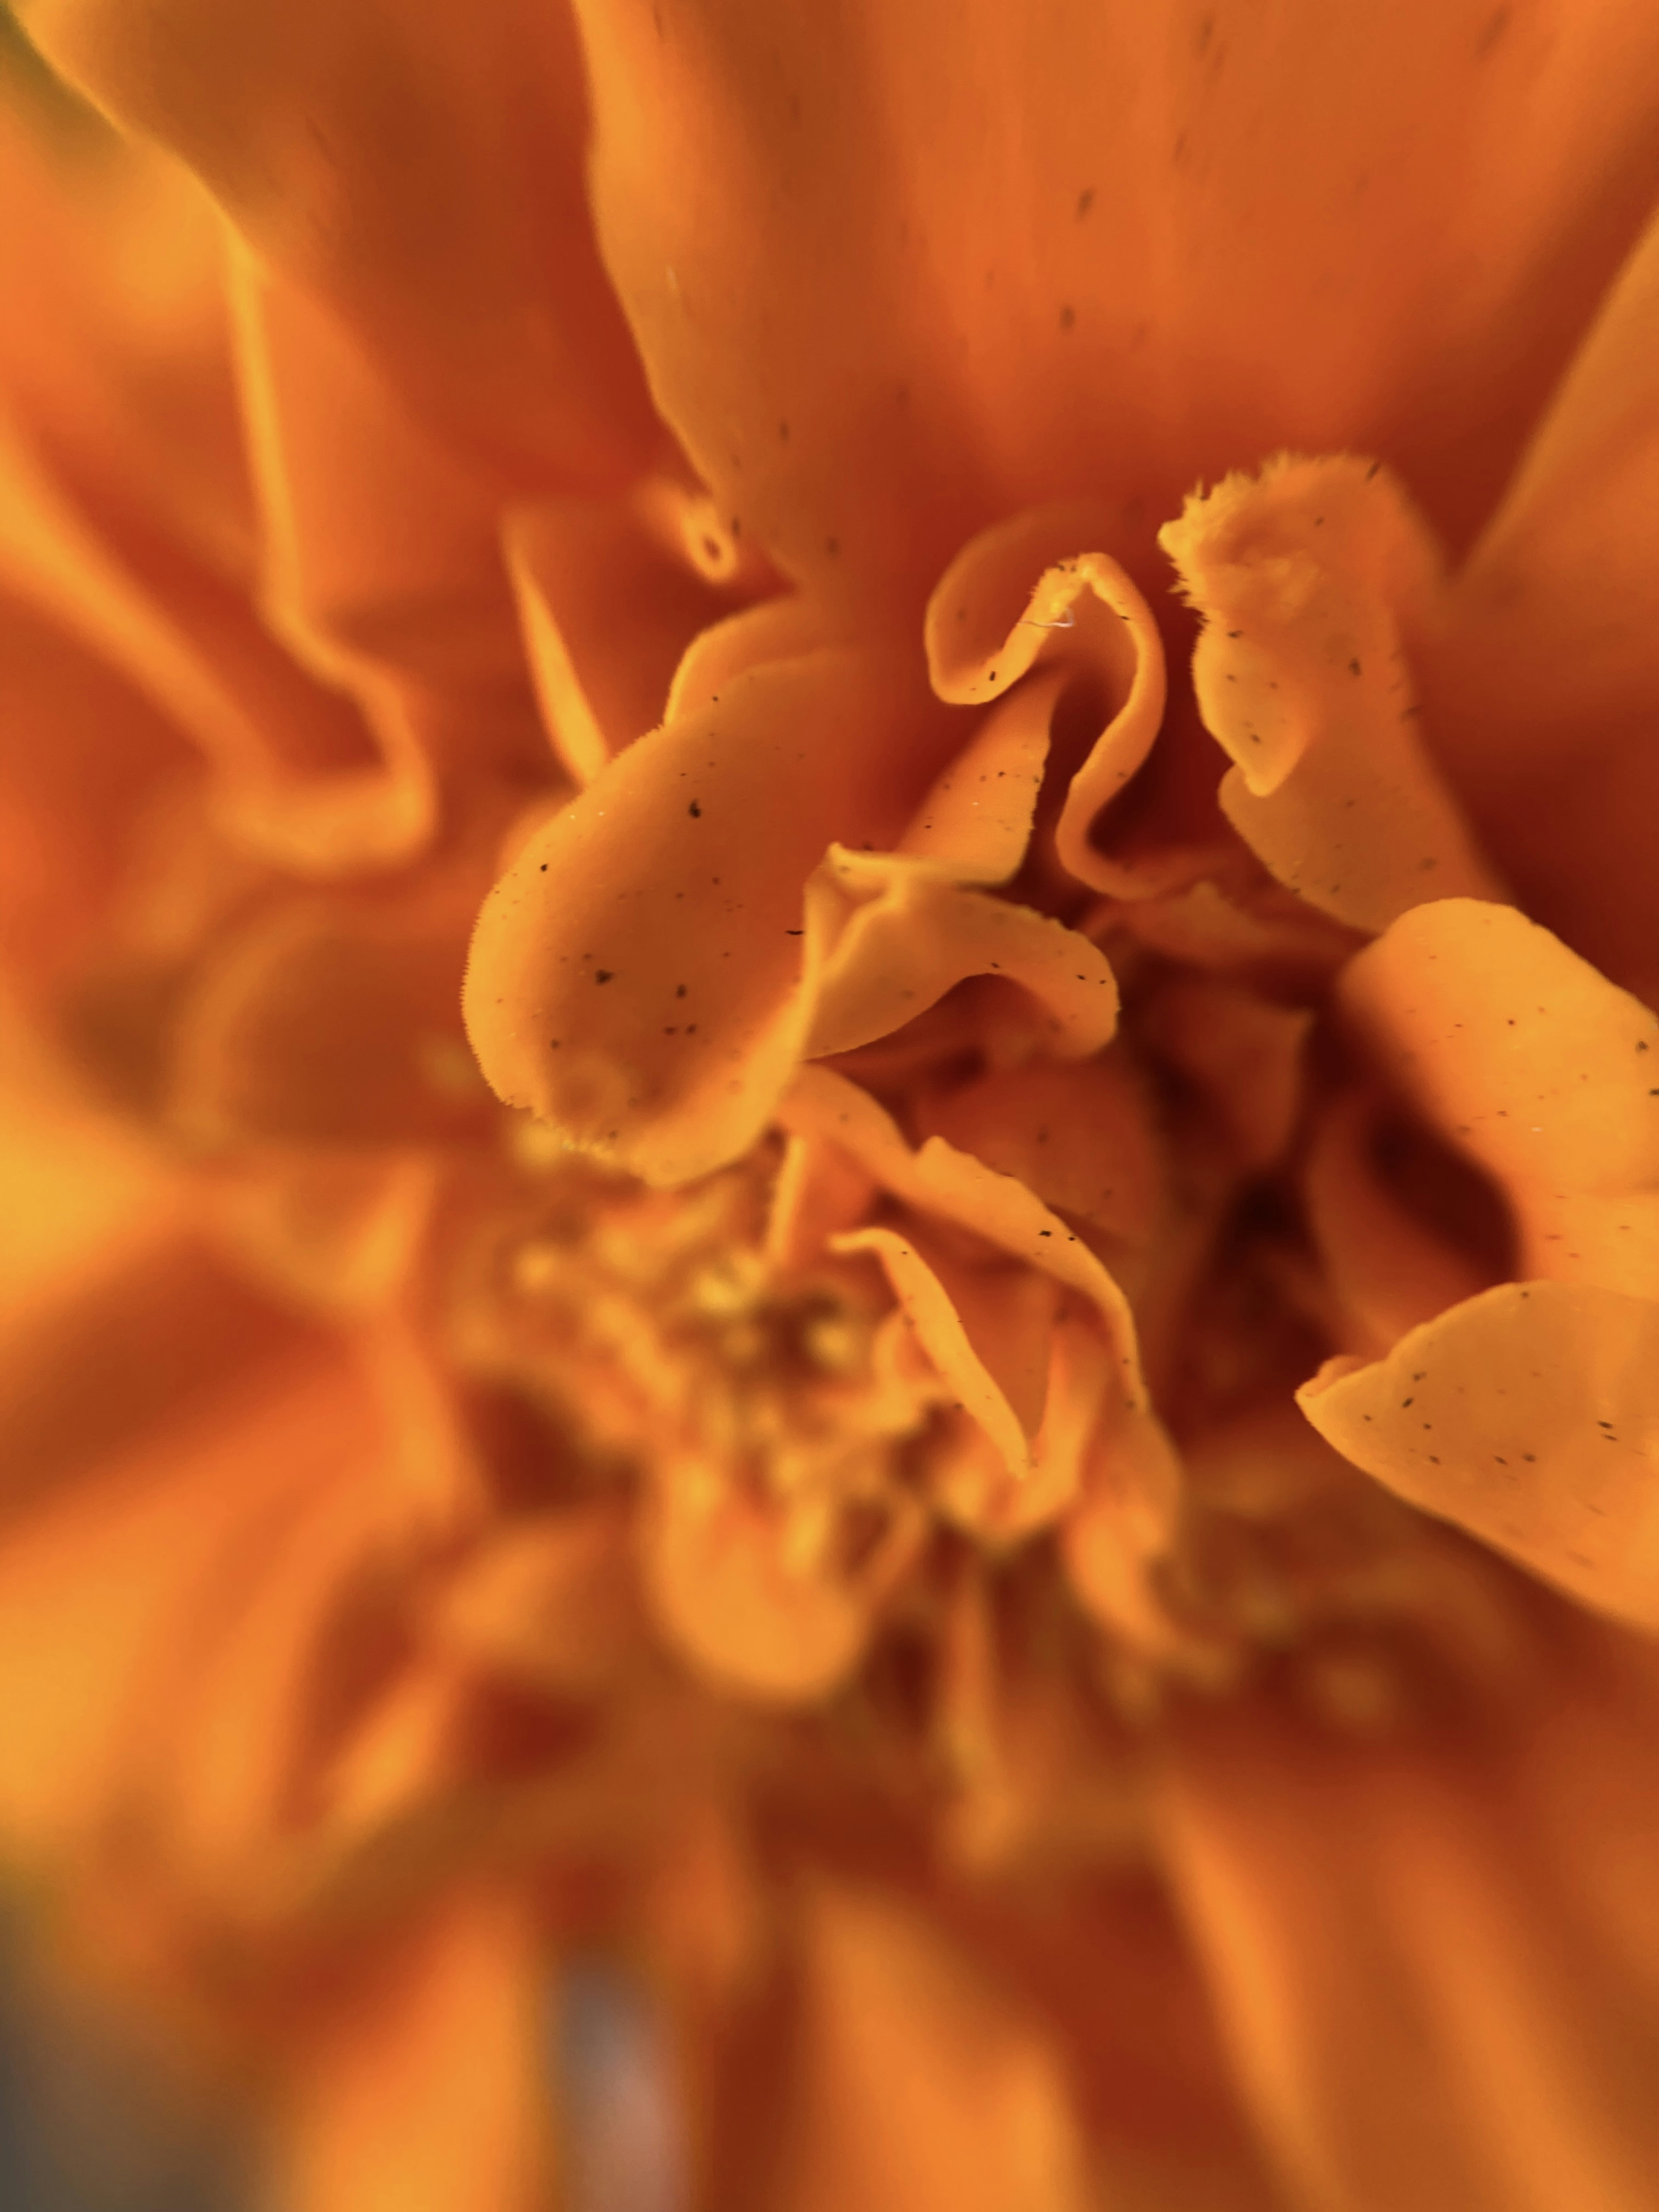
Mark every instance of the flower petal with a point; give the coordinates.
(751, 1593)
(922, 2087)
(909, 938)
(1531, 1417)
(424, 2088)
(1542, 1072)
(1544, 684)
(421, 170)
(607, 615)
(638, 977)
(895, 281)
(1421, 2009)
(1307, 578)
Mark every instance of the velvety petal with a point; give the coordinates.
(1306, 580)
(550, 1601)
(1529, 1416)
(1081, 1139)
(82, 756)
(376, 540)
(896, 273)
(118, 366)
(420, 170)
(423, 2088)
(1544, 681)
(1421, 2009)
(1537, 1067)
(638, 978)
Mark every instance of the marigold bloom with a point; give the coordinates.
(810, 1187)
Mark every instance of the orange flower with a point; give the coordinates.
(1004, 1452)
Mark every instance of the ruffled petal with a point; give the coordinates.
(299, 776)
(1388, 1269)
(1531, 1417)
(903, 937)
(1537, 1068)
(638, 976)
(956, 1189)
(123, 1590)
(1307, 579)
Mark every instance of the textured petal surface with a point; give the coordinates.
(1306, 581)
(1539, 1069)
(1529, 1416)
(636, 977)
(895, 274)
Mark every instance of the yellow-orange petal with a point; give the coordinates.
(1081, 1138)
(897, 935)
(607, 616)
(423, 2086)
(1388, 1269)
(548, 1602)
(951, 1186)
(377, 542)
(1533, 1065)
(1309, 578)
(921, 2086)
(638, 976)
(1066, 257)
(326, 1022)
(1028, 594)
(420, 170)
(751, 1592)
(299, 775)
(1420, 2006)
(123, 1588)
(1543, 680)
(1529, 1416)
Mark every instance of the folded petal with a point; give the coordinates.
(638, 977)
(764, 1600)
(1529, 1416)
(607, 614)
(1537, 1068)
(1307, 579)
(904, 936)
